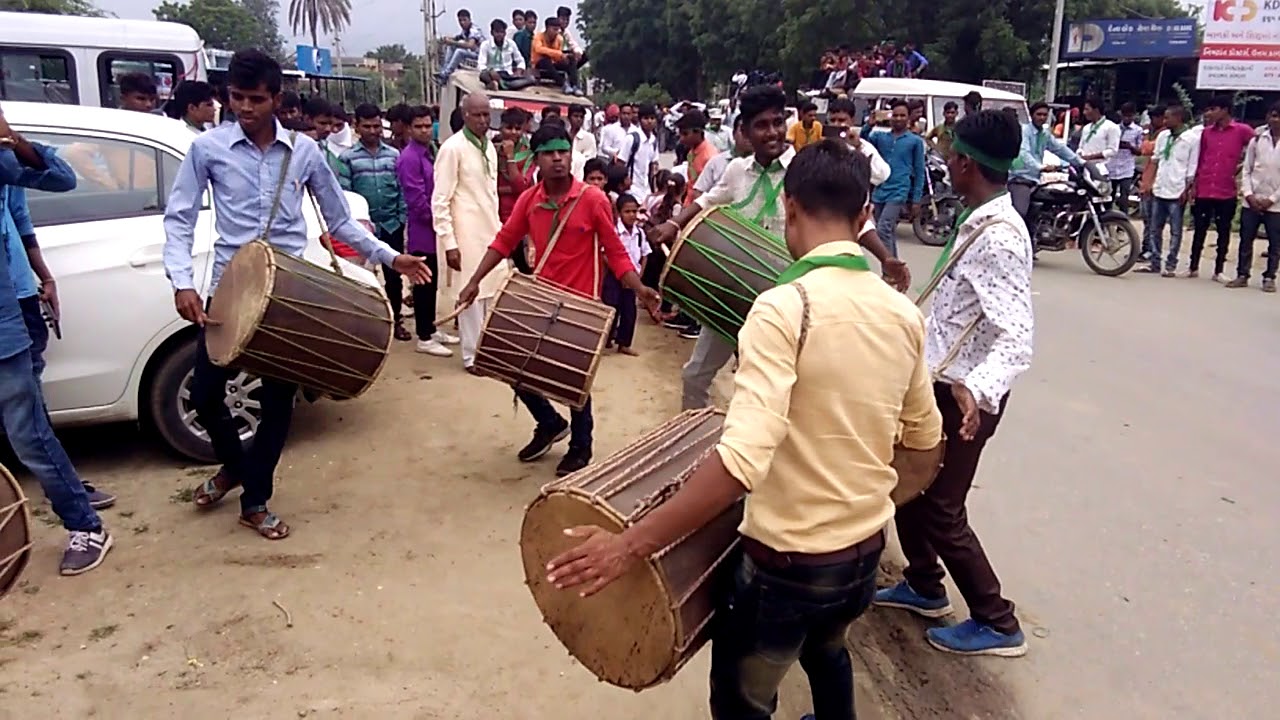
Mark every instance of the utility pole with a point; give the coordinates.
(337, 58)
(430, 52)
(1055, 49)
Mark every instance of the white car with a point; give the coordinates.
(125, 355)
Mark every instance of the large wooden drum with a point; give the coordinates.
(641, 629)
(284, 318)
(540, 337)
(15, 531)
(718, 266)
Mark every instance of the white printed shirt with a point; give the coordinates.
(633, 240)
(1261, 173)
(646, 154)
(1175, 173)
(506, 58)
(992, 280)
(1102, 138)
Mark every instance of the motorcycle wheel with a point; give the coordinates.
(933, 230)
(1122, 244)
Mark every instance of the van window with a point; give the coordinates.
(166, 70)
(987, 104)
(34, 75)
(114, 179)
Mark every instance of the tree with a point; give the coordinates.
(53, 7)
(396, 53)
(265, 14)
(224, 24)
(314, 16)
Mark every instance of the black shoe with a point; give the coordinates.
(573, 461)
(543, 439)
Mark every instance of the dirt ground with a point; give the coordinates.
(402, 578)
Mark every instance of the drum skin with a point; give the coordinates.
(641, 629)
(544, 339)
(15, 532)
(282, 317)
(718, 266)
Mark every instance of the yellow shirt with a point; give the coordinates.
(799, 137)
(811, 440)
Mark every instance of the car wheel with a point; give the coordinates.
(174, 413)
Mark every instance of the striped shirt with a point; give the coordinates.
(372, 175)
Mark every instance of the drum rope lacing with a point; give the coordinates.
(6, 515)
(537, 343)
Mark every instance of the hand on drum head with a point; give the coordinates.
(970, 417)
(412, 267)
(190, 307)
(897, 274)
(664, 234)
(598, 560)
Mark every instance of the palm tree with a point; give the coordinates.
(314, 16)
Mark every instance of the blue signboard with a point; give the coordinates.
(315, 61)
(1120, 39)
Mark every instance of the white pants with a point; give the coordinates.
(710, 353)
(469, 324)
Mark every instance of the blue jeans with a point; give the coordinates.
(1164, 212)
(38, 329)
(1250, 219)
(777, 616)
(31, 435)
(1147, 207)
(887, 215)
(454, 57)
(581, 422)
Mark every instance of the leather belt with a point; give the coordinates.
(767, 557)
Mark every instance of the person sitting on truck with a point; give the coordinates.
(524, 36)
(463, 46)
(500, 59)
(552, 61)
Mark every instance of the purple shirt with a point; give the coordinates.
(1220, 151)
(417, 180)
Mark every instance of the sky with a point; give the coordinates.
(378, 22)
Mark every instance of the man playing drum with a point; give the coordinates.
(572, 264)
(810, 443)
(990, 281)
(752, 185)
(259, 174)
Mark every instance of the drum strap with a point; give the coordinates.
(561, 221)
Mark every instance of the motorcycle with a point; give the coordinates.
(1073, 211)
(940, 208)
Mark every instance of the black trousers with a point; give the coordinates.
(424, 301)
(393, 280)
(564, 71)
(254, 468)
(1219, 213)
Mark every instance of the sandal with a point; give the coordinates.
(402, 333)
(270, 526)
(209, 493)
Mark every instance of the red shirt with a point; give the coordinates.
(575, 263)
(1220, 151)
(509, 190)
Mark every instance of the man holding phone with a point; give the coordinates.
(1122, 167)
(840, 125)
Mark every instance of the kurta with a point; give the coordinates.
(464, 207)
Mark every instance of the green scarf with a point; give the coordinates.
(1093, 129)
(802, 266)
(955, 232)
(1167, 152)
(768, 208)
(481, 144)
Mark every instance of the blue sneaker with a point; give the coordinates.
(903, 597)
(973, 638)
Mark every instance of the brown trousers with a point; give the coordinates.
(935, 526)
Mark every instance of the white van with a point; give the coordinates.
(876, 93)
(76, 60)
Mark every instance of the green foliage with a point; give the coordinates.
(687, 45)
(1184, 98)
(643, 93)
(53, 7)
(223, 24)
(396, 53)
(314, 17)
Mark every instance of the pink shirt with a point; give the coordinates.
(1220, 151)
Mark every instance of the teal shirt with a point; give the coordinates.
(524, 41)
(372, 175)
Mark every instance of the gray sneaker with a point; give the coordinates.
(99, 500)
(85, 551)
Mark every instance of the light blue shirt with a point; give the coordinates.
(244, 179)
(15, 224)
(1031, 157)
(56, 177)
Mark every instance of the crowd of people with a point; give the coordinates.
(840, 69)
(550, 51)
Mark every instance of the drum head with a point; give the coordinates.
(239, 302)
(15, 531)
(624, 634)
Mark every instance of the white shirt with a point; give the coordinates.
(570, 40)
(682, 170)
(646, 154)
(712, 173)
(617, 141)
(722, 138)
(578, 165)
(1176, 159)
(506, 58)
(633, 240)
(992, 280)
(584, 143)
(1261, 174)
(1100, 137)
(880, 169)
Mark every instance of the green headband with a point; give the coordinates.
(553, 145)
(958, 145)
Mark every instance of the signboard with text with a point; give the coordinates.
(1129, 39)
(1241, 46)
